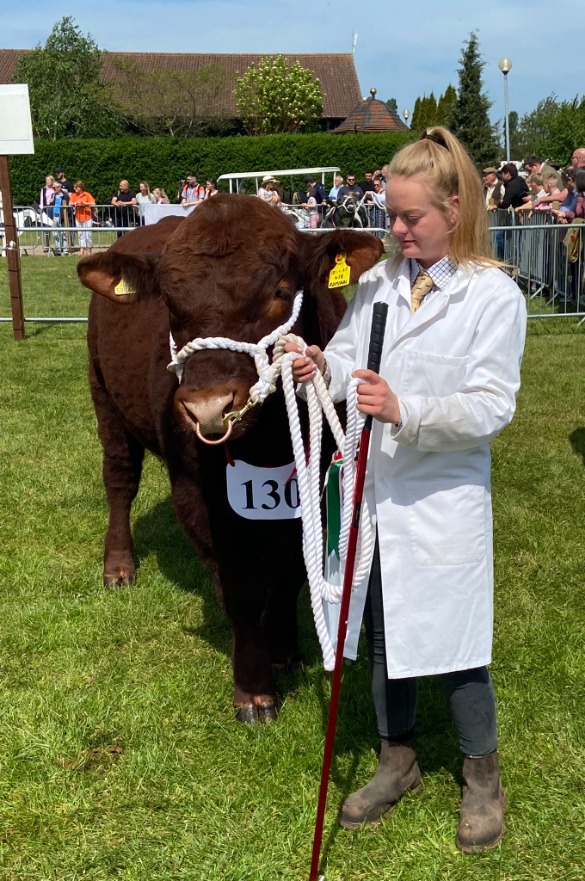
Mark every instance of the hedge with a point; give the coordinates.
(101, 164)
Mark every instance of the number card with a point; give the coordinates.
(263, 493)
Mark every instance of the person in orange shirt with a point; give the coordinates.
(82, 202)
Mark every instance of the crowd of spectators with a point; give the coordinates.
(523, 188)
(540, 186)
(549, 194)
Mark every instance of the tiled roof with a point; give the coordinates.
(335, 72)
(371, 115)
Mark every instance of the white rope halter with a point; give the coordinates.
(308, 470)
(267, 373)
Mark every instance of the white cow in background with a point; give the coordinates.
(24, 218)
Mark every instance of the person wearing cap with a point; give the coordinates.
(268, 192)
(315, 188)
(62, 177)
(494, 188)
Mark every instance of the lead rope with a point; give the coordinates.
(308, 469)
(308, 475)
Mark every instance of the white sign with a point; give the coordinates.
(263, 493)
(16, 133)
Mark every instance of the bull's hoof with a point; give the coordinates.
(253, 714)
(267, 713)
(122, 579)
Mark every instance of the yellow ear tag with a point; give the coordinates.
(339, 275)
(123, 288)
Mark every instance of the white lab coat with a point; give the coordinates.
(455, 367)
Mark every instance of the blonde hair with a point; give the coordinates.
(447, 170)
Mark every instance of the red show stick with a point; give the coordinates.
(374, 357)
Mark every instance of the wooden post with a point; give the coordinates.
(12, 251)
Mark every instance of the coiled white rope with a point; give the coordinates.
(308, 475)
(308, 468)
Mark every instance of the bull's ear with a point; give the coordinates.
(122, 278)
(362, 250)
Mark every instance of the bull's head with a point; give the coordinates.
(230, 269)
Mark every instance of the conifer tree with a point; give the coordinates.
(445, 106)
(414, 122)
(470, 120)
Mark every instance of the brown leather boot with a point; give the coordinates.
(481, 818)
(396, 774)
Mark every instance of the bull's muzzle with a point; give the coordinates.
(208, 418)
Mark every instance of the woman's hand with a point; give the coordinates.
(304, 368)
(376, 398)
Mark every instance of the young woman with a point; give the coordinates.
(211, 188)
(84, 205)
(45, 198)
(268, 191)
(160, 196)
(144, 197)
(448, 380)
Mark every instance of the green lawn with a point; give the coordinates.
(119, 758)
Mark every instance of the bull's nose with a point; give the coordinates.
(209, 413)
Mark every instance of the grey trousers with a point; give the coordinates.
(470, 693)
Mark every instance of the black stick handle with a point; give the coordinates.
(377, 336)
(376, 343)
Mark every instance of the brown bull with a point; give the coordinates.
(230, 269)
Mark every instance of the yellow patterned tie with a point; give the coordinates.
(423, 283)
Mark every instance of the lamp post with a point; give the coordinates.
(505, 65)
(406, 114)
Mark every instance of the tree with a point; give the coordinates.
(424, 113)
(66, 96)
(415, 116)
(273, 96)
(445, 106)
(553, 129)
(392, 105)
(163, 102)
(470, 120)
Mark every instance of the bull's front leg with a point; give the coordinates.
(122, 469)
(245, 598)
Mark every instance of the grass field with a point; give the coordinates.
(119, 758)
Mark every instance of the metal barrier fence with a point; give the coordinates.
(39, 233)
(545, 258)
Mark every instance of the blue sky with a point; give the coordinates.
(390, 51)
